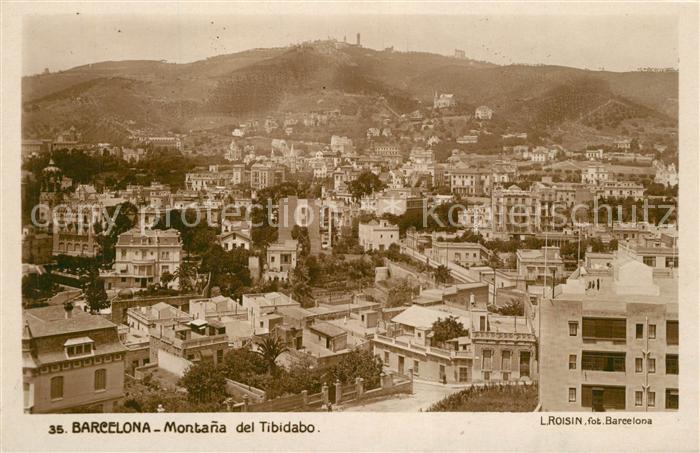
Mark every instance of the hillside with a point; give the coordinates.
(115, 96)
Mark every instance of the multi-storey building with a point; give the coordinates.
(493, 347)
(596, 174)
(483, 112)
(71, 361)
(609, 341)
(389, 153)
(266, 175)
(621, 189)
(470, 181)
(142, 257)
(514, 211)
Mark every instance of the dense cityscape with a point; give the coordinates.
(362, 251)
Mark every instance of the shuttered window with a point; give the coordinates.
(56, 387)
(100, 379)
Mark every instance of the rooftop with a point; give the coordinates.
(326, 329)
(269, 299)
(423, 317)
(48, 321)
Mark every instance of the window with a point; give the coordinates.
(648, 260)
(573, 328)
(416, 366)
(506, 376)
(386, 356)
(487, 354)
(603, 397)
(487, 375)
(604, 329)
(639, 328)
(651, 365)
(651, 399)
(671, 398)
(56, 387)
(572, 394)
(572, 361)
(672, 332)
(638, 365)
(638, 397)
(100, 379)
(671, 364)
(603, 361)
(79, 349)
(652, 331)
(505, 360)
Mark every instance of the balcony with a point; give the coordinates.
(502, 336)
(405, 343)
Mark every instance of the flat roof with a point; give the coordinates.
(327, 329)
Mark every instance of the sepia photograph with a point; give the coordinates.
(385, 211)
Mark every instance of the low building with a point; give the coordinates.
(197, 340)
(536, 264)
(144, 319)
(378, 235)
(444, 101)
(236, 239)
(280, 260)
(462, 253)
(71, 361)
(258, 306)
(652, 252)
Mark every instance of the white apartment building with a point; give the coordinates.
(142, 257)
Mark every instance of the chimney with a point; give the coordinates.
(68, 308)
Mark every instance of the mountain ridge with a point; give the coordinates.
(260, 81)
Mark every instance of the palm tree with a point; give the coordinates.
(270, 348)
(441, 274)
(185, 273)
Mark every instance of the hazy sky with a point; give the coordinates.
(617, 43)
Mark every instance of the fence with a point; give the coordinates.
(336, 393)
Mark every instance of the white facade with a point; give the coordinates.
(378, 235)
